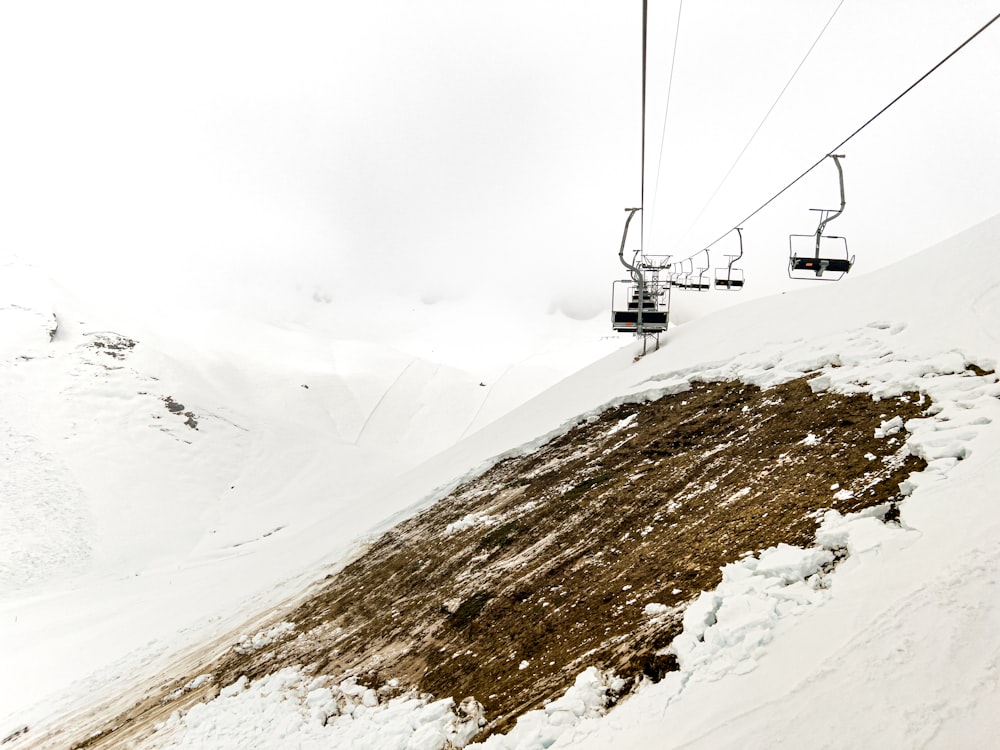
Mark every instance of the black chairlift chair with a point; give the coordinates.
(637, 303)
(830, 255)
(730, 278)
(637, 312)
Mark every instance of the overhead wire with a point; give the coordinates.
(761, 125)
(666, 111)
(868, 122)
(642, 167)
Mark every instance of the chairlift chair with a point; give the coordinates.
(680, 277)
(728, 277)
(699, 279)
(829, 254)
(635, 312)
(694, 278)
(640, 304)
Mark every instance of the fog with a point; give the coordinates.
(271, 156)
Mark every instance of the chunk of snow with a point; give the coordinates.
(588, 698)
(890, 427)
(724, 630)
(264, 638)
(469, 521)
(623, 423)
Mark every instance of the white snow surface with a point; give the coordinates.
(169, 534)
(288, 708)
(126, 533)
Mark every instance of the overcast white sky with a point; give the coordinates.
(441, 149)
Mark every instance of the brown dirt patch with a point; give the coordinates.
(509, 587)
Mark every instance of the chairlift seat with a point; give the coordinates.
(627, 321)
(830, 262)
(729, 283)
(821, 265)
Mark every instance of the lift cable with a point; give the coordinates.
(642, 167)
(666, 112)
(868, 122)
(761, 125)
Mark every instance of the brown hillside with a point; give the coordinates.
(509, 587)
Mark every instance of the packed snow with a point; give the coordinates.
(288, 708)
(879, 634)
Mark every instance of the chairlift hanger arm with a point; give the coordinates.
(621, 250)
(843, 202)
(739, 231)
(633, 269)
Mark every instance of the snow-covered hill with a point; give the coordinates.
(159, 471)
(901, 650)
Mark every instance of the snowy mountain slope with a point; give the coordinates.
(907, 326)
(547, 563)
(158, 473)
(902, 649)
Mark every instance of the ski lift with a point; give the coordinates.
(729, 277)
(693, 277)
(640, 304)
(681, 276)
(828, 252)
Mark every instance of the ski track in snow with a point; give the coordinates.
(986, 307)
(381, 399)
(482, 404)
